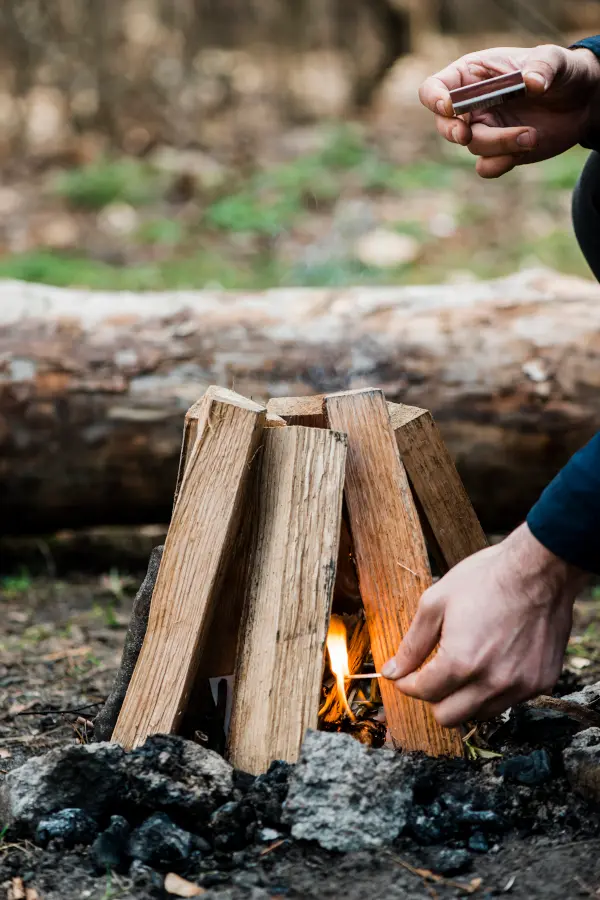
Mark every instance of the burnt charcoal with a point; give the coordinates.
(143, 878)
(430, 824)
(242, 782)
(268, 792)
(478, 842)
(229, 825)
(533, 769)
(543, 726)
(448, 861)
(109, 850)
(485, 819)
(71, 826)
(158, 842)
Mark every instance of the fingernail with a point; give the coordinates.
(441, 107)
(535, 76)
(390, 669)
(456, 135)
(525, 140)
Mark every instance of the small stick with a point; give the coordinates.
(363, 675)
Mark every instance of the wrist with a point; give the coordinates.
(534, 563)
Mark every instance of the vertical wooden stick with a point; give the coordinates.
(390, 552)
(198, 546)
(297, 514)
(437, 484)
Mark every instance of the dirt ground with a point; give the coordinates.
(60, 643)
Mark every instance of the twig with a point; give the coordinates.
(426, 875)
(57, 712)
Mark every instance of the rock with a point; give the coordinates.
(86, 776)
(147, 882)
(533, 769)
(167, 774)
(229, 825)
(118, 220)
(582, 763)
(173, 775)
(543, 726)
(478, 842)
(159, 843)
(448, 861)
(383, 249)
(347, 796)
(71, 826)
(110, 848)
(587, 696)
(206, 171)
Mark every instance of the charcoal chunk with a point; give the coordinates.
(447, 861)
(109, 850)
(159, 843)
(71, 826)
(478, 842)
(533, 769)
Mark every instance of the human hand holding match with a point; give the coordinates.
(551, 112)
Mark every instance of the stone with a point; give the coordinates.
(159, 843)
(478, 842)
(86, 776)
(71, 826)
(118, 220)
(587, 696)
(167, 774)
(448, 861)
(110, 847)
(582, 763)
(347, 796)
(383, 249)
(533, 769)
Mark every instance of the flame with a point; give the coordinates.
(337, 648)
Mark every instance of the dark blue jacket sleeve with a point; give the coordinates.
(566, 519)
(593, 44)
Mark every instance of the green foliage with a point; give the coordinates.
(163, 232)
(15, 585)
(562, 172)
(107, 181)
(246, 212)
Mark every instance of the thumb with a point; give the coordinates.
(542, 66)
(420, 639)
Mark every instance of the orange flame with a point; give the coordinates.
(337, 648)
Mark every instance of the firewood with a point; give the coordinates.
(203, 530)
(437, 484)
(391, 556)
(296, 512)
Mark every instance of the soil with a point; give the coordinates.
(60, 644)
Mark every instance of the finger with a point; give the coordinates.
(437, 680)
(488, 141)
(419, 641)
(435, 94)
(462, 705)
(454, 130)
(542, 66)
(496, 166)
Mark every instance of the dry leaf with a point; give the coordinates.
(5, 754)
(179, 887)
(579, 662)
(16, 890)
(31, 894)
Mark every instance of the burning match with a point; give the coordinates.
(364, 675)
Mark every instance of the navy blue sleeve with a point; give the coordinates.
(566, 518)
(593, 44)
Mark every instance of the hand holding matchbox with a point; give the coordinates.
(486, 94)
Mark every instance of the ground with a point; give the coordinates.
(60, 642)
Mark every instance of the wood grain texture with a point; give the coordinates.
(198, 546)
(296, 514)
(437, 484)
(391, 557)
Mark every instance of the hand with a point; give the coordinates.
(562, 87)
(503, 619)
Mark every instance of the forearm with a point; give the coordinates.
(566, 519)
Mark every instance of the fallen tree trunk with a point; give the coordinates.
(94, 386)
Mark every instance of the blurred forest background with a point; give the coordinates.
(153, 144)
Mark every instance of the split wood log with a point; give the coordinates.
(94, 386)
(448, 518)
(201, 536)
(447, 510)
(391, 556)
(296, 511)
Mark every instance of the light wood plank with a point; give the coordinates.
(299, 410)
(297, 513)
(391, 557)
(436, 482)
(220, 450)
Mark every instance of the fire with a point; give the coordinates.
(337, 648)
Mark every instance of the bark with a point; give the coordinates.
(94, 386)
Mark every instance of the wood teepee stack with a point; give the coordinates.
(249, 567)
